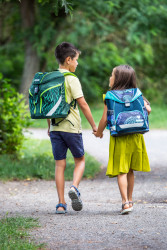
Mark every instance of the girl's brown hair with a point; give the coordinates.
(125, 77)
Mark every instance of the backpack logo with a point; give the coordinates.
(126, 113)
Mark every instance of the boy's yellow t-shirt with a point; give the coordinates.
(72, 123)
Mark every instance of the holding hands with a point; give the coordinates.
(102, 124)
(98, 134)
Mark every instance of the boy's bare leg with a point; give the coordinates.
(60, 166)
(130, 177)
(78, 170)
(123, 184)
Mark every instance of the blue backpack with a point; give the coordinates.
(126, 113)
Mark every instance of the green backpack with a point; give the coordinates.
(47, 96)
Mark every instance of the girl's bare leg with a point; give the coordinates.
(130, 178)
(60, 166)
(123, 185)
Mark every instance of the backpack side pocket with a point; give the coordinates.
(110, 120)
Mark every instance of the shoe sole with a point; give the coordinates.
(126, 211)
(76, 201)
(61, 212)
(131, 209)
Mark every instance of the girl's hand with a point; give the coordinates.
(146, 104)
(48, 132)
(98, 134)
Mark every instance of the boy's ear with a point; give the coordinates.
(68, 60)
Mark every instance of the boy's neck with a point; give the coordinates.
(64, 67)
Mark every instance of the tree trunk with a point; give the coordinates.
(31, 63)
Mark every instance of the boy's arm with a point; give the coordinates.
(48, 121)
(87, 112)
(102, 123)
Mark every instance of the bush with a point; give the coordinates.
(14, 118)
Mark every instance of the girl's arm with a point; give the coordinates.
(147, 105)
(102, 123)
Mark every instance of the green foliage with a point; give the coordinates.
(11, 42)
(14, 118)
(37, 162)
(108, 33)
(14, 233)
(57, 5)
(117, 32)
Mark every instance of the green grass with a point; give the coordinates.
(157, 118)
(14, 233)
(41, 123)
(37, 163)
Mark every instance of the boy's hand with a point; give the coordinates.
(94, 129)
(48, 132)
(98, 134)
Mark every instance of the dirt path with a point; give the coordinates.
(98, 225)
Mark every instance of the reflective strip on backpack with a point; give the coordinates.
(134, 125)
(54, 107)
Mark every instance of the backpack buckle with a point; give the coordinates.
(127, 104)
(36, 89)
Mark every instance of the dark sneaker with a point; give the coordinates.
(74, 195)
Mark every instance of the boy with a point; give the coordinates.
(68, 133)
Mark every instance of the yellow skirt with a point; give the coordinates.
(125, 152)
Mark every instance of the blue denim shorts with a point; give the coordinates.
(62, 141)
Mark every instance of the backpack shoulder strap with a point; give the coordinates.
(68, 73)
(74, 102)
(137, 94)
(112, 96)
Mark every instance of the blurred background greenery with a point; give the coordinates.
(108, 33)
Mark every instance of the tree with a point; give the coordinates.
(31, 64)
(31, 32)
(30, 13)
(116, 33)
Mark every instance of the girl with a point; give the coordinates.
(127, 152)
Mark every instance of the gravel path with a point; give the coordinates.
(98, 225)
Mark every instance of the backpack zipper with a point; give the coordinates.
(30, 92)
(45, 75)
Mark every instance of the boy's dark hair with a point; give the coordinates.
(64, 50)
(125, 77)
